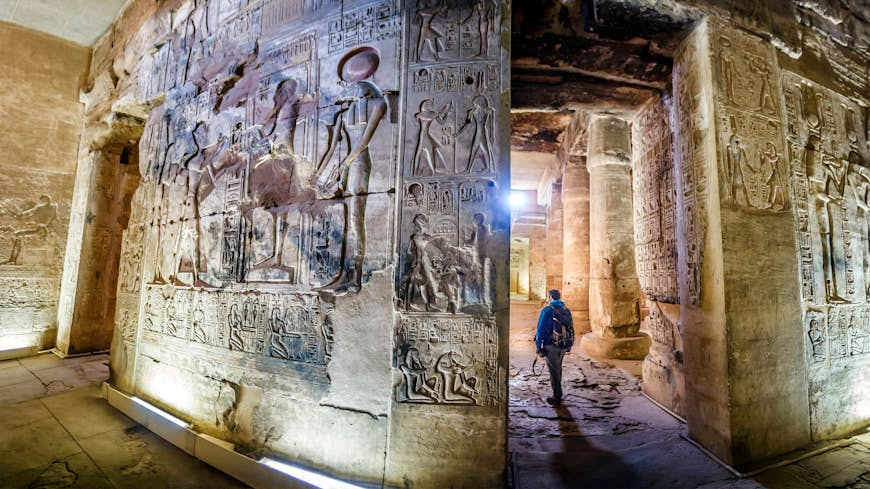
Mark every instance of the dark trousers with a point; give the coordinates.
(554, 356)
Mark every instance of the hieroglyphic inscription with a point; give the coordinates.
(689, 158)
(831, 192)
(447, 359)
(654, 204)
(364, 25)
(661, 329)
(753, 166)
(293, 327)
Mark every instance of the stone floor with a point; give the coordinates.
(57, 431)
(608, 435)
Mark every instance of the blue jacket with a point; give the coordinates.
(544, 336)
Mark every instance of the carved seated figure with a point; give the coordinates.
(417, 384)
(456, 385)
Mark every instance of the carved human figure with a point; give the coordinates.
(485, 10)
(735, 167)
(765, 93)
(417, 382)
(810, 111)
(38, 220)
(360, 111)
(428, 148)
(477, 239)
(277, 328)
(479, 120)
(429, 40)
(771, 177)
(456, 385)
(827, 180)
(421, 279)
(726, 68)
(860, 185)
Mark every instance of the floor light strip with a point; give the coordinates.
(160, 412)
(313, 478)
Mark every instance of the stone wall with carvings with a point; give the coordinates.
(38, 140)
(313, 260)
(655, 239)
(828, 158)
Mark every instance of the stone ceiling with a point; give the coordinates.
(79, 21)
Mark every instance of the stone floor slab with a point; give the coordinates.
(85, 413)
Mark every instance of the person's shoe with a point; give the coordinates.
(554, 401)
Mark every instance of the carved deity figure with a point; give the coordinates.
(480, 121)
(828, 184)
(428, 147)
(736, 163)
(485, 10)
(359, 112)
(38, 219)
(726, 68)
(429, 40)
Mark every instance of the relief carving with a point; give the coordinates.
(752, 162)
(446, 359)
(655, 204)
(830, 190)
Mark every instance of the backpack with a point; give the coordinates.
(563, 328)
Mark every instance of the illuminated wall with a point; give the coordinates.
(312, 265)
(39, 134)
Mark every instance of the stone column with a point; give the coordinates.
(575, 252)
(614, 294)
(554, 238)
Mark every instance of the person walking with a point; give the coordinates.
(554, 338)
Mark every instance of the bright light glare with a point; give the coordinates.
(518, 199)
(313, 478)
(160, 412)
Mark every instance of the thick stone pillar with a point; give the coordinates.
(575, 252)
(614, 295)
(555, 238)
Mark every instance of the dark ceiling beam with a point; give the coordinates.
(535, 90)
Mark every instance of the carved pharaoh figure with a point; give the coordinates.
(428, 147)
(429, 40)
(38, 219)
(421, 278)
(456, 385)
(726, 68)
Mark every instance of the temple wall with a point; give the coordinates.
(772, 244)
(39, 136)
(315, 263)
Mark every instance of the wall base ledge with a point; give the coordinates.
(213, 451)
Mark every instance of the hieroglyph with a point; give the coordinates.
(828, 156)
(655, 203)
(689, 123)
(449, 192)
(753, 169)
(267, 167)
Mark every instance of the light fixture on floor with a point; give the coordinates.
(161, 413)
(305, 475)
